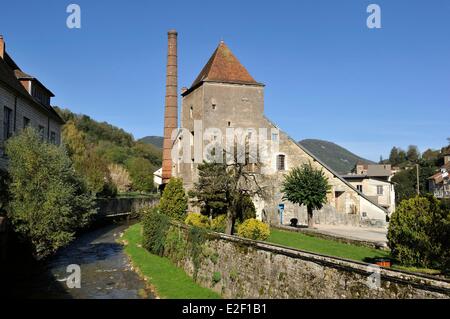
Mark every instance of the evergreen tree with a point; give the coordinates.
(174, 202)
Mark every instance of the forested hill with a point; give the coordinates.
(119, 158)
(153, 140)
(336, 157)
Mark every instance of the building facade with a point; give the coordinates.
(225, 96)
(374, 181)
(24, 101)
(439, 183)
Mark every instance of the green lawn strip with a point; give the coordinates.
(169, 281)
(324, 246)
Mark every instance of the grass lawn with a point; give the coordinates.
(324, 246)
(169, 281)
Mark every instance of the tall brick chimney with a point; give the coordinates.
(2, 47)
(171, 105)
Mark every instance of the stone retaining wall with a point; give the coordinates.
(240, 268)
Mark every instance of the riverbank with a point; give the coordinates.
(167, 280)
(106, 271)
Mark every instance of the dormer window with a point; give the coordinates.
(39, 94)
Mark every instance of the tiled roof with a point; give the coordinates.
(8, 75)
(223, 66)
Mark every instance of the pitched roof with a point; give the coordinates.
(8, 75)
(223, 66)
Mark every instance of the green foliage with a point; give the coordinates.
(141, 173)
(196, 239)
(216, 277)
(413, 154)
(197, 220)
(211, 193)
(94, 146)
(405, 181)
(254, 229)
(219, 223)
(174, 200)
(245, 208)
(4, 191)
(175, 244)
(306, 186)
(49, 201)
(155, 227)
(419, 233)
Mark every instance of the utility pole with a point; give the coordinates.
(417, 174)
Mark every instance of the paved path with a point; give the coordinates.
(377, 235)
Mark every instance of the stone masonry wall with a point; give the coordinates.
(240, 268)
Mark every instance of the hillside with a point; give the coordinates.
(336, 157)
(105, 154)
(152, 140)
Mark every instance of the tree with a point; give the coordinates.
(307, 186)
(393, 156)
(120, 177)
(419, 233)
(413, 154)
(405, 181)
(431, 155)
(49, 200)
(174, 201)
(141, 173)
(212, 191)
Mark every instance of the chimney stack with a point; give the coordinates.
(2, 47)
(171, 105)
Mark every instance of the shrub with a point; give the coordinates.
(49, 201)
(419, 233)
(219, 223)
(4, 191)
(174, 200)
(245, 208)
(254, 229)
(155, 227)
(197, 220)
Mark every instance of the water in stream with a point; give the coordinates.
(105, 270)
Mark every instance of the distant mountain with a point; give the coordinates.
(153, 140)
(336, 157)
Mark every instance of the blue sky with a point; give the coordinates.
(327, 75)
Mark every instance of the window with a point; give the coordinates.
(281, 162)
(26, 122)
(191, 112)
(7, 128)
(229, 124)
(359, 188)
(53, 137)
(41, 131)
(274, 137)
(379, 190)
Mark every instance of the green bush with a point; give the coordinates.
(49, 201)
(197, 220)
(155, 227)
(174, 200)
(175, 244)
(254, 229)
(219, 223)
(419, 233)
(4, 191)
(245, 208)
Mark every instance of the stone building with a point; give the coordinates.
(24, 101)
(439, 183)
(374, 181)
(225, 95)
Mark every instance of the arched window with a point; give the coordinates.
(281, 162)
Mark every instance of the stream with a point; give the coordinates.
(106, 272)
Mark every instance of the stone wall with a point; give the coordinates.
(117, 206)
(240, 268)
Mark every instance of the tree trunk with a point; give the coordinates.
(310, 217)
(230, 223)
